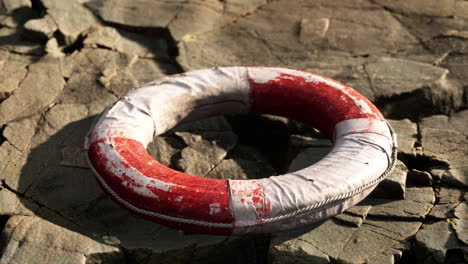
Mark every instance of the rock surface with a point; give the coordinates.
(63, 61)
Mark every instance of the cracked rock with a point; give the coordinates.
(204, 152)
(15, 12)
(417, 204)
(450, 195)
(420, 178)
(275, 37)
(393, 186)
(297, 251)
(127, 42)
(433, 241)
(42, 85)
(87, 66)
(355, 215)
(243, 162)
(63, 61)
(13, 205)
(427, 7)
(164, 148)
(443, 211)
(32, 240)
(183, 18)
(13, 41)
(41, 29)
(461, 228)
(325, 240)
(430, 89)
(444, 138)
(12, 72)
(71, 17)
(375, 238)
(344, 244)
(407, 133)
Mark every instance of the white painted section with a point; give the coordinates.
(356, 160)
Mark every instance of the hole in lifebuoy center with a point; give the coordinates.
(240, 146)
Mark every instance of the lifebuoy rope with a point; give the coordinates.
(313, 207)
(363, 141)
(319, 206)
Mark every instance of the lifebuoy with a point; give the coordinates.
(364, 151)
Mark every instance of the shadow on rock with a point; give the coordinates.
(57, 178)
(65, 193)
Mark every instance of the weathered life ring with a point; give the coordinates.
(364, 151)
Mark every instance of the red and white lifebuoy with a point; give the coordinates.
(364, 151)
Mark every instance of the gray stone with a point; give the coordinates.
(393, 186)
(443, 211)
(241, 169)
(461, 211)
(433, 241)
(375, 238)
(15, 12)
(43, 28)
(12, 204)
(9, 202)
(407, 133)
(341, 243)
(297, 251)
(456, 121)
(61, 65)
(88, 67)
(461, 228)
(53, 49)
(19, 133)
(279, 43)
(411, 76)
(71, 17)
(183, 18)
(13, 70)
(41, 87)
(328, 238)
(313, 29)
(457, 64)
(417, 204)
(12, 161)
(164, 148)
(355, 215)
(204, 152)
(11, 5)
(450, 195)
(11, 39)
(431, 90)
(457, 175)
(127, 42)
(420, 178)
(443, 138)
(460, 225)
(390, 257)
(32, 239)
(430, 8)
(216, 123)
(136, 13)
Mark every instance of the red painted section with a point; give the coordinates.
(189, 197)
(314, 103)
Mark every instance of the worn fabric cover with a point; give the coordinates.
(363, 153)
